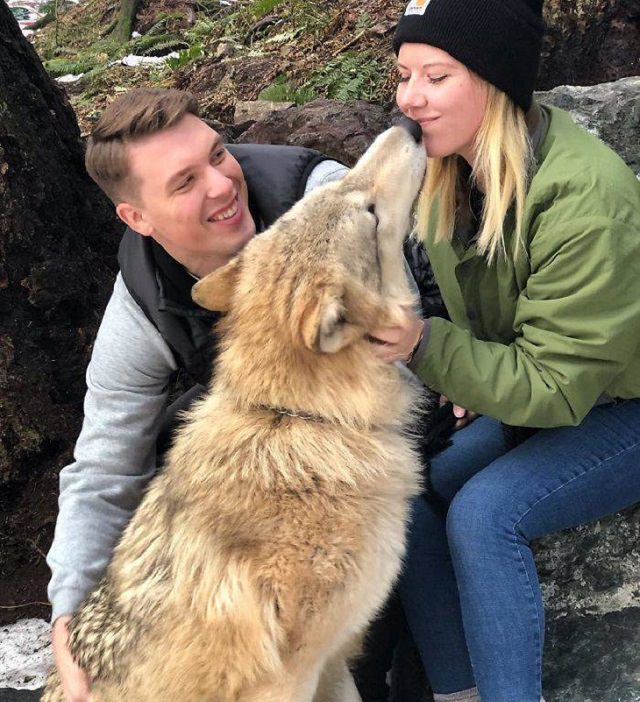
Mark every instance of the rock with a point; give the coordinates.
(225, 49)
(256, 110)
(609, 110)
(383, 28)
(228, 132)
(591, 587)
(342, 130)
(10, 695)
(25, 654)
(589, 41)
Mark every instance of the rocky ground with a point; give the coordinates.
(24, 655)
(299, 50)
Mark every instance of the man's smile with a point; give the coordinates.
(228, 213)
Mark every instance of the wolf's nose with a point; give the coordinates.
(412, 127)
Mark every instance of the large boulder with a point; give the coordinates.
(591, 585)
(611, 111)
(342, 130)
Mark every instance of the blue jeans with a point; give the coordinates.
(470, 588)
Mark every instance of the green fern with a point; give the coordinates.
(352, 75)
(282, 90)
(201, 30)
(185, 57)
(364, 22)
(63, 66)
(166, 21)
(158, 44)
(260, 8)
(285, 37)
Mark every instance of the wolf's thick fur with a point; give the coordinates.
(273, 535)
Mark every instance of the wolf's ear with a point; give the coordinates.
(325, 327)
(214, 291)
(341, 315)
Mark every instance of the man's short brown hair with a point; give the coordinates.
(139, 113)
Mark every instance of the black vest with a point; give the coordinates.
(276, 178)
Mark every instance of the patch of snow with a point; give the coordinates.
(25, 654)
(132, 60)
(69, 78)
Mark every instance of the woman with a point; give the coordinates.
(532, 227)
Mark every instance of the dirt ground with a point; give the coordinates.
(26, 531)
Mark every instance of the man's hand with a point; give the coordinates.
(75, 681)
(462, 415)
(398, 343)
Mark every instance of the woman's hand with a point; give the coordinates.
(398, 343)
(75, 682)
(463, 416)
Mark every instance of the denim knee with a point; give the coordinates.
(478, 515)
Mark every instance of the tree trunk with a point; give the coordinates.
(58, 237)
(126, 15)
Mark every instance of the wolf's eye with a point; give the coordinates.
(372, 210)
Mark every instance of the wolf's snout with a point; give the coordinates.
(412, 127)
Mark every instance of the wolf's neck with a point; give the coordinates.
(353, 387)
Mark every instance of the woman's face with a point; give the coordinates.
(443, 96)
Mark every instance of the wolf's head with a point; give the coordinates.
(326, 273)
(335, 251)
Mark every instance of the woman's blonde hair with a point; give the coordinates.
(503, 159)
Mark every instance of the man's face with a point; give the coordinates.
(191, 195)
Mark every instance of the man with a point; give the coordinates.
(190, 206)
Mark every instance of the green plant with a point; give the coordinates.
(202, 30)
(158, 44)
(166, 21)
(109, 46)
(298, 16)
(350, 76)
(63, 66)
(281, 90)
(185, 56)
(364, 22)
(310, 17)
(284, 37)
(259, 8)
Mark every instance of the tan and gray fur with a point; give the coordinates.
(276, 530)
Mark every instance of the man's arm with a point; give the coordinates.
(325, 172)
(115, 454)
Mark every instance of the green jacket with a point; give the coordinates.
(536, 341)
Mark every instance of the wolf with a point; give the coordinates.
(276, 529)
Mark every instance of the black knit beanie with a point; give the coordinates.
(500, 40)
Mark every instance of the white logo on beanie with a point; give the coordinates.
(417, 7)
